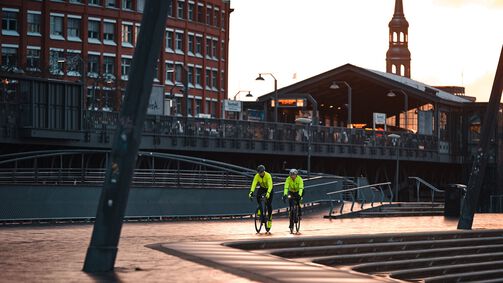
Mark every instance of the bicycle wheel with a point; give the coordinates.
(297, 219)
(258, 220)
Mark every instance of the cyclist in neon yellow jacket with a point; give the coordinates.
(264, 180)
(294, 186)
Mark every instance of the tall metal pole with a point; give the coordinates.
(102, 250)
(397, 171)
(275, 99)
(309, 150)
(479, 164)
(350, 106)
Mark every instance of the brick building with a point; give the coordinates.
(63, 39)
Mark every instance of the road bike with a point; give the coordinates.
(261, 215)
(294, 215)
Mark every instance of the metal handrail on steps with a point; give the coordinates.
(373, 187)
(433, 189)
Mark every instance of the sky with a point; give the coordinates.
(452, 42)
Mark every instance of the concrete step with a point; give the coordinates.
(476, 276)
(398, 213)
(421, 273)
(389, 266)
(382, 247)
(352, 259)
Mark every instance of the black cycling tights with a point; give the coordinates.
(268, 202)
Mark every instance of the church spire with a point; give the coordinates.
(398, 55)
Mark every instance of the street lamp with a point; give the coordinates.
(260, 78)
(247, 95)
(394, 139)
(392, 93)
(335, 85)
(307, 122)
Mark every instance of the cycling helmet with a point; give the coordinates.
(260, 168)
(294, 171)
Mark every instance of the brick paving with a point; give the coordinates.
(56, 253)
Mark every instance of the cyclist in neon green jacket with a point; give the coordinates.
(264, 180)
(294, 186)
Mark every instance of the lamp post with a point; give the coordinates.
(394, 139)
(185, 85)
(260, 78)
(392, 93)
(307, 122)
(240, 116)
(335, 85)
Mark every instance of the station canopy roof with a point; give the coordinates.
(369, 92)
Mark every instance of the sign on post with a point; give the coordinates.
(156, 101)
(379, 119)
(232, 105)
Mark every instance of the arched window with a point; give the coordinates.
(393, 69)
(394, 37)
(402, 69)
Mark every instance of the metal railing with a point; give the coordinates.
(373, 188)
(432, 188)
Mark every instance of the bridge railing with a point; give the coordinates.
(259, 131)
(373, 188)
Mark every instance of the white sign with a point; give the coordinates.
(379, 118)
(156, 101)
(232, 105)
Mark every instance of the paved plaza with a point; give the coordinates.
(56, 253)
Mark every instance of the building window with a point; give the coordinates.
(191, 44)
(214, 80)
(57, 27)
(73, 31)
(208, 48)
(73, 64)
(216, 13)
(125, 65)
(207, 79)
(199, 46)
(222, 81)
(108, 65)
(169, 72)
(190, 76)
(169, 40)
(9, 23)
(209, 15)
(127, 4)
(33, 59)
(223, 20)
(191, 11)
(222, 51)
(207, 106)
(9, 57)
(127, 35)
(109, 33)
(179, 73)
(93, 32)
(140, 5)
(76, 1)
(170, 8)
(199, 71)
(93, 62)
(180, 10)
(94, 2)
(110, 3)
(56, 62)
(33, 20)
(200, 13)
(214, 47)
(136, 33)
(198, 106)
(179, 42)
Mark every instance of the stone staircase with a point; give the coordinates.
(448, 256)
(398, 209)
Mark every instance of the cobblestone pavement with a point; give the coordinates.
(56, 253)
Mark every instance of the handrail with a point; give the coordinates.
(430, 186)
(374, 187)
